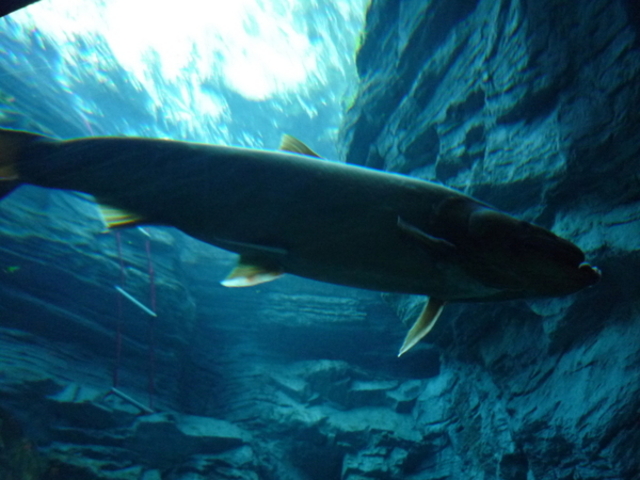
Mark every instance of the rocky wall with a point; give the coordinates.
(529, 105)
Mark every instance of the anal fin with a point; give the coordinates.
(252, 270)
(423, 325)
(118, 218)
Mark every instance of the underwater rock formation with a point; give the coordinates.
(529, 105)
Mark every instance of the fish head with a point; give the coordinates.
(517, 256)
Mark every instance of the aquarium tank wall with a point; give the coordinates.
(123, 358)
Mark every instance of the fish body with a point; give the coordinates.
(9, 6)
(285, 212)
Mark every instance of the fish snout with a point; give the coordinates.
(590, 274)
(565, 262)
(528, 257)
(551, 246)
(566, 255)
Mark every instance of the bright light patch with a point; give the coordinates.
(178, 68)
(257, 48)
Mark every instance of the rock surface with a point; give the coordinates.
(529, 105)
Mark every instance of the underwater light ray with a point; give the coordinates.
(259, 50)
(185, 73)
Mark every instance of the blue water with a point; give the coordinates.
(237, 75)
(525, 105)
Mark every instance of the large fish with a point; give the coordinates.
(288, 212)
(8, 6)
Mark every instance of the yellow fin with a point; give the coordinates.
(423, 325)
(117, 218)
(252, 271)
(293, 145)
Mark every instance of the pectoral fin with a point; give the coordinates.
(252, 270)
(293, 145)
(423, 325)
(433, 243)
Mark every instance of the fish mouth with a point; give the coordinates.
(571, 272)
(565, 253)
(589, 274)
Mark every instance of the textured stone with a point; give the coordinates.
(165, 439)
(526, 105)
(530, 105)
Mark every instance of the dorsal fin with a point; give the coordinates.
(293, 145)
